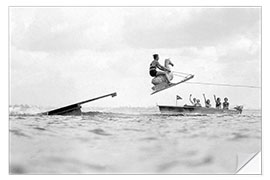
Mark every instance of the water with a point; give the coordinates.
(133, 142)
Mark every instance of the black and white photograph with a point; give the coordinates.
(134, 90)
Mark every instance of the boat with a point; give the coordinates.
(187, 109)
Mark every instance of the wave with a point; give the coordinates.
(24, 109)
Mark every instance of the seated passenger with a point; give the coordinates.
(198, 104)
(193, 101)
(207, 102)
(225, 103)
(218, 102)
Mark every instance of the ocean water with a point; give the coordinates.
(131, 142)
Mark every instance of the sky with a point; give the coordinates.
(59, 56)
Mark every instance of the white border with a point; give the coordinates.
(4, 73)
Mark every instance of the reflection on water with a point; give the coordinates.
(131, 143)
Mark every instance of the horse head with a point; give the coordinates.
(167, 63)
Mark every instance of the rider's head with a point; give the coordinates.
(156, 56)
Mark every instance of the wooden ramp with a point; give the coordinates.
(74, 109)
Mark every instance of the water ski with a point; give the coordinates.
(163, 86)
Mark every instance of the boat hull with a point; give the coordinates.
(195, 110)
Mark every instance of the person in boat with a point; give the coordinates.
(218, 102)
(225, 103)
(192, 101)
(198, 104)
(156, 65)
(207, 102)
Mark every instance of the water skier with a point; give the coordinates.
(153, 69)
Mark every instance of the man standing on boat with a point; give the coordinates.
(153, 68)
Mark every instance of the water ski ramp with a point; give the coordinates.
(74, 109)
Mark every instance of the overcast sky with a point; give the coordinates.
(59, 56)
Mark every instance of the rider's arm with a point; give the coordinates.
(159, 66)
(204, 98)
(190, 99)
(215, 98)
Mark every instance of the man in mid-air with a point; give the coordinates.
(153, 68)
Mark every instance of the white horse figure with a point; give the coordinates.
(160, 80)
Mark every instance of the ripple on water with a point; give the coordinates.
(18, 133)
(133, 129)
(190, 153)
(40, 128)
(99, 132)
(16, 169)
(183, 130)
(70, 162)
(148, 139)
(167, 166)
(200, 162)
(21, 117)
(238, 136)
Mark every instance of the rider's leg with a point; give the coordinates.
(164, 73)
